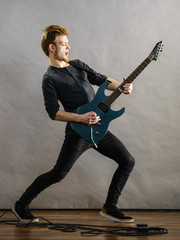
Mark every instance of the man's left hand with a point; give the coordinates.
(128, 87)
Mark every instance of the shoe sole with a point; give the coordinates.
(117, 219)
(22, 220)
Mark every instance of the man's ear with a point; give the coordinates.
(51, 48)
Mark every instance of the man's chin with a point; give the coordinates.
(66, 60)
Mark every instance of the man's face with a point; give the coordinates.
(61, 48)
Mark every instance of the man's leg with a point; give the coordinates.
(111, 147)
(72, 148)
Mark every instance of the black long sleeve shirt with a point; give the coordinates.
(71, 86)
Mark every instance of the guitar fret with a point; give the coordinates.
(112, 98)
(138, 70)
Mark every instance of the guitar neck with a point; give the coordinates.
(116, 93)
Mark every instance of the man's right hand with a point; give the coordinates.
(86, 118)
(90, 118)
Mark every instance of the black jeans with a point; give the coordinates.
(72, 148)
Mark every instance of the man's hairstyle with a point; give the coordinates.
(49, 35)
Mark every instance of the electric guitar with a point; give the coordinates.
(101, 104)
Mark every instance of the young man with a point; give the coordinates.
(71, 86)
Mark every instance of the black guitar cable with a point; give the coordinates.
(91, 230)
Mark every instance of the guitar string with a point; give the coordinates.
(109, 100)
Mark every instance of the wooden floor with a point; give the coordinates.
(165, 219)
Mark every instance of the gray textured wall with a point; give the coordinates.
(113, 37)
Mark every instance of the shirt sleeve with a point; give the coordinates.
(93, 77)
(50, 96)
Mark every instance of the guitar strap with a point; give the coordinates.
(75, 64)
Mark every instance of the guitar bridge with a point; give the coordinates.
(103, 107)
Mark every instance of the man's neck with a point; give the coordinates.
(57, 63)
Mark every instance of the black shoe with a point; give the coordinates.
(114, 213)
(23, 213)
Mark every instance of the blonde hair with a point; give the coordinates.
(49, 35)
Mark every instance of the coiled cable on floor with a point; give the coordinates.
(92, 230)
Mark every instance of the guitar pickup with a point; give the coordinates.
(103, 107)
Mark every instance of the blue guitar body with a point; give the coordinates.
(94, 133)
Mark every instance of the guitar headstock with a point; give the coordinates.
(156, 51)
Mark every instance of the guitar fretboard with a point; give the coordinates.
(116, 93)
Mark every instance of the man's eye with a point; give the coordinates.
(65, 44)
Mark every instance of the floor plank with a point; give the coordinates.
(165, 219)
